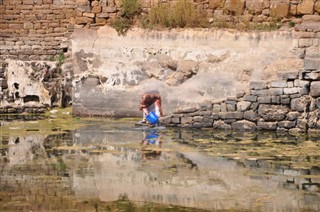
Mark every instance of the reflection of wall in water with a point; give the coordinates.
(24, 148)
(291, 178)
(30, 180)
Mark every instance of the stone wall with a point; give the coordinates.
(290, 103)
(32, 86)
(186, 66)
(41, 29)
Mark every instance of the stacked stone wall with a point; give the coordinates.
(41, 29)
(291, 103)
(37, 30)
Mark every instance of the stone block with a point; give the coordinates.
(301, 83)
(205, 113)
(186, 110)
(175, 120)
(275, 99)
(216, 108)
(281, 130)
(255, 5)
(28, 2)
(89, 15)
(207, 119)
(103, 15)
(215, 116)
(231, 115)
(250, 98)
(304, 42)
(317, 102)
(231, 107)
(311, 18)
(243, 125)
(223, 107)
(287, 124)
(109, 9)
(197, 113)
(101, 20)
(312, 63)
(207, 105)
(279, 84)
(317, 6)
(178, 115)
(262, 92)
(243, 106)
(266, 125)
(239, 95)
(284, 99)
(236, 6)
(264, 99)
(250, 115)
(302, 124)
(273, 112)
(254, 106)
(186, 120)
(308, 26)
(197, 118)
(304, 34)
(290, 84)
(214, 4)
(221, 125)
(300, 104)
(83, 20)
(304, 90)
(96, 9)
(201, 125)
(276, 91)
(315, 89)
(289, 91)
(257, 85)
(279, 10)
(288, 75)
(305, 7)
(229, 121)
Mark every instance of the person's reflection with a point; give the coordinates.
(149, 152)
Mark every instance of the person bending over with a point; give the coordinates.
(150, 101)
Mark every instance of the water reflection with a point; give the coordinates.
(151, 145)
(112, 164)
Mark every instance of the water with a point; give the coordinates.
(111, 165)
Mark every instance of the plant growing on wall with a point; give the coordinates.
(183, 13)
(129, 10)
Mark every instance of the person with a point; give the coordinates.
(150, 101)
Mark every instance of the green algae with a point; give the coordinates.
(292, 151)
(62, 120)
(53, 122)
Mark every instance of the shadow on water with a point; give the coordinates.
(115, 166)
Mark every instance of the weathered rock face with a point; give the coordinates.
(40, 30)
(186, 66)
(30, 86)
(290, 103)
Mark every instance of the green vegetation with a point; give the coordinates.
(129, 10)
(58, 58)
(181, 14)
(271, 26)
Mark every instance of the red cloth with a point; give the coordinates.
(150, 97)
